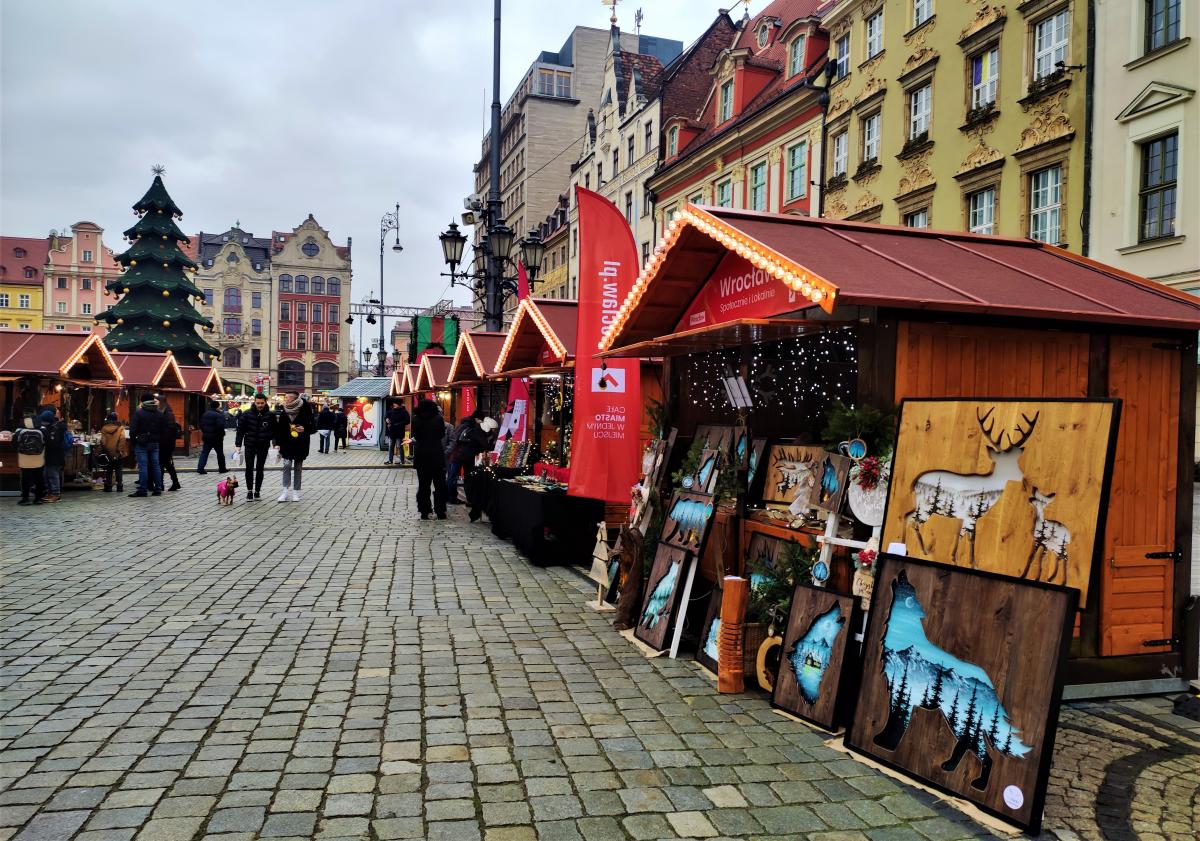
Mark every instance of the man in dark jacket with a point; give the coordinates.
(54, 432)
(325, 423)
(340, 424)
(145, 430)
(166, 445)
(397, 422)
(212, 437)
(428, 429)
(255, 433)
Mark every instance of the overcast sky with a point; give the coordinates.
(264, 111)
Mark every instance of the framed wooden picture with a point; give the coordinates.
(818, 662)
(704, 480)
(829, 488)
(961, 682)
(792, 470)
(758, 448)
(688, 518)
(706, 649)
(1009, 486)
(740, 449)
(661, 599)
(715, 437)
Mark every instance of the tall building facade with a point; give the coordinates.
(79, 267)
(23, 262)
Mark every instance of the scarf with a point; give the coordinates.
(293, 409)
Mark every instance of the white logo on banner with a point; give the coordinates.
(608, 380)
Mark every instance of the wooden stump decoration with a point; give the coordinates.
(734, 600)
(631, 575)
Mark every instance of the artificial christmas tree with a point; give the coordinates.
(155, 312)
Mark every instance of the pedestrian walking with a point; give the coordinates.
(212, 437)
(397, 421)
(428, 430)
(54, 432)
(31, 459)
(325, 424)
(467, 441)
(340, 425)
(115, 447)
(295, 426)
(166, 445)
(145, 430)
(255, 433)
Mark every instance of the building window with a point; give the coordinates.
(672, 140)
(208, 296)
(764, 36)
(325, 375)
(985, 74)
(645, 253)
(318, 285)
(726, 112)
(841, 152)
(3, 299)
(758, 186)
(256, 327)
(599, 175)
(1162, 23)
(920, 105)
(61, 283)
(333, 286)
(60, 327)
(629, 145)
(875, 34)
(19, 252)
(1156, 213)
(333, 313)
(333, 341)
(316, 341)
(629, 207)
(23, 301)
(1050, 39)
(256, 300)
(85, 283)
(616, 161)
(648, 144)
(725, 194)
(30, 272)
(917, 219)
(841, 64)
(796, 56)
(301, 340)
(60, 307)
(302, 283)
(1045, 204)
(24, 325)
(255, 358)
(646, 201)
(922, 11)
(285, 311)
(302, 312)
(233, 299)
(285, 283)
(284, 340)
(316, 313)
(310, 249)
(232, 358)
(870, 132)
(232, 326)
(291, 373)
(87, 256)
(86, 308)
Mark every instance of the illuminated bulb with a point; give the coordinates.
(166, 293)
(166, 323)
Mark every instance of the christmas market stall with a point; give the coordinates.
(361, 400)
(153, 373)
(1064, 422)
(474, 361)
(40, 368)
(201, 385)
(433, 375)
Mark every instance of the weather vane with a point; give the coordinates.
(158, 169)
(612, 4)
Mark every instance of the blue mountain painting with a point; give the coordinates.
(753, 467)
(660, 597)
(921, 674)
(810, 655)
(710, 642)
(689, 515)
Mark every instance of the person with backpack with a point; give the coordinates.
(114, 446)
(166, 445)
(340, 425)
(55, 434)
(325, 424)
(397, 421)
(466, 442)
(212, 437)
(145, 430)
(31, 459)
(255, 433)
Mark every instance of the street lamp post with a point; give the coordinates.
(389, 222)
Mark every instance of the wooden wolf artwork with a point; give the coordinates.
(1009, 486)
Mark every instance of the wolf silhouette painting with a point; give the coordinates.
(659, 604)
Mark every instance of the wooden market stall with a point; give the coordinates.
(158, 373)
(473, 363)
(812, 310)
(433, 375)
(201, 384)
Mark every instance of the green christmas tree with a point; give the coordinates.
(155, 312)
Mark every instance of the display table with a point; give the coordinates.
(547, 526)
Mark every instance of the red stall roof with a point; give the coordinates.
(201, 380)
(57, 354)
(840, 264)
(476, 355)
(539, 323)
(149, 370)
(435, 371)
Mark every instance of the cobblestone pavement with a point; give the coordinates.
(335, 668)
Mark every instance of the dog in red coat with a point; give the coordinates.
(226, 490)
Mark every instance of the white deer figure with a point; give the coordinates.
(800, 474)
(1050, 537)
(967, 497)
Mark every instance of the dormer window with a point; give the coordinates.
(726, 102)
(796, 56)
(18, 252)
(673, 141)
(764, 35)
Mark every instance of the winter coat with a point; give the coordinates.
(325, 419)
(54, 431)
(170, 432)
(146, 426)
(471, 442)
(397, 419)
(295, 447)
(212, 427)
(113, 441)
(230, 419)
(340, 422)
(255, 429)
(428, 429)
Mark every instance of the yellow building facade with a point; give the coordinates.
(20, 306)
(958, 114)
(23, 262)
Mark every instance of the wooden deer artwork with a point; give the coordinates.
(791, 472)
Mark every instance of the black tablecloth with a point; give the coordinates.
(548, 527)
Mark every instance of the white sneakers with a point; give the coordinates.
(289, 494)
(295, 496)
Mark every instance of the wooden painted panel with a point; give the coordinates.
(816, 667)
(1137, 592)
(662, 596)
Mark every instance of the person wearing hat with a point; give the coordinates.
(145, 430)
(55, 433)
(467, 441)
(114, 445)
(171, 431)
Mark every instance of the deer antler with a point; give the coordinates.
(986, 425)
(997, 442)
(1025, 433)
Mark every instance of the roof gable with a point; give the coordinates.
(55, 353)
(542, 334)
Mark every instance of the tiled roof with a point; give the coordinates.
(54, 353)
(364, 387)
(201, 379)
(149, 370)
(686, 81)
(12, 267)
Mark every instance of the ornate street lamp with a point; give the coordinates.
(453, 242)
(532, 250)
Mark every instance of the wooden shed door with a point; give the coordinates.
(1137, 591)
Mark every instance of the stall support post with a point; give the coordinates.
(681, 614)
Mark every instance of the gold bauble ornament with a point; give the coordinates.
(125, 290)
(120, 321)
(166, 323)
(160, 213)
(133, 262)
(166, 293)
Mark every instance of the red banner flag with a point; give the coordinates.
(522, 282)
(605, 449)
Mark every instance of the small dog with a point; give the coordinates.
(226, 490)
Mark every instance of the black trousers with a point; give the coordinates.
(33, 482)
(212, 446)
(431, 473)
(256, 460)
(475, 490)
(114, 470)
(339, 438)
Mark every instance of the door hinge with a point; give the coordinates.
(1171, 641)
(1175, 556)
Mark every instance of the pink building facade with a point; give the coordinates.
(79, 267)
